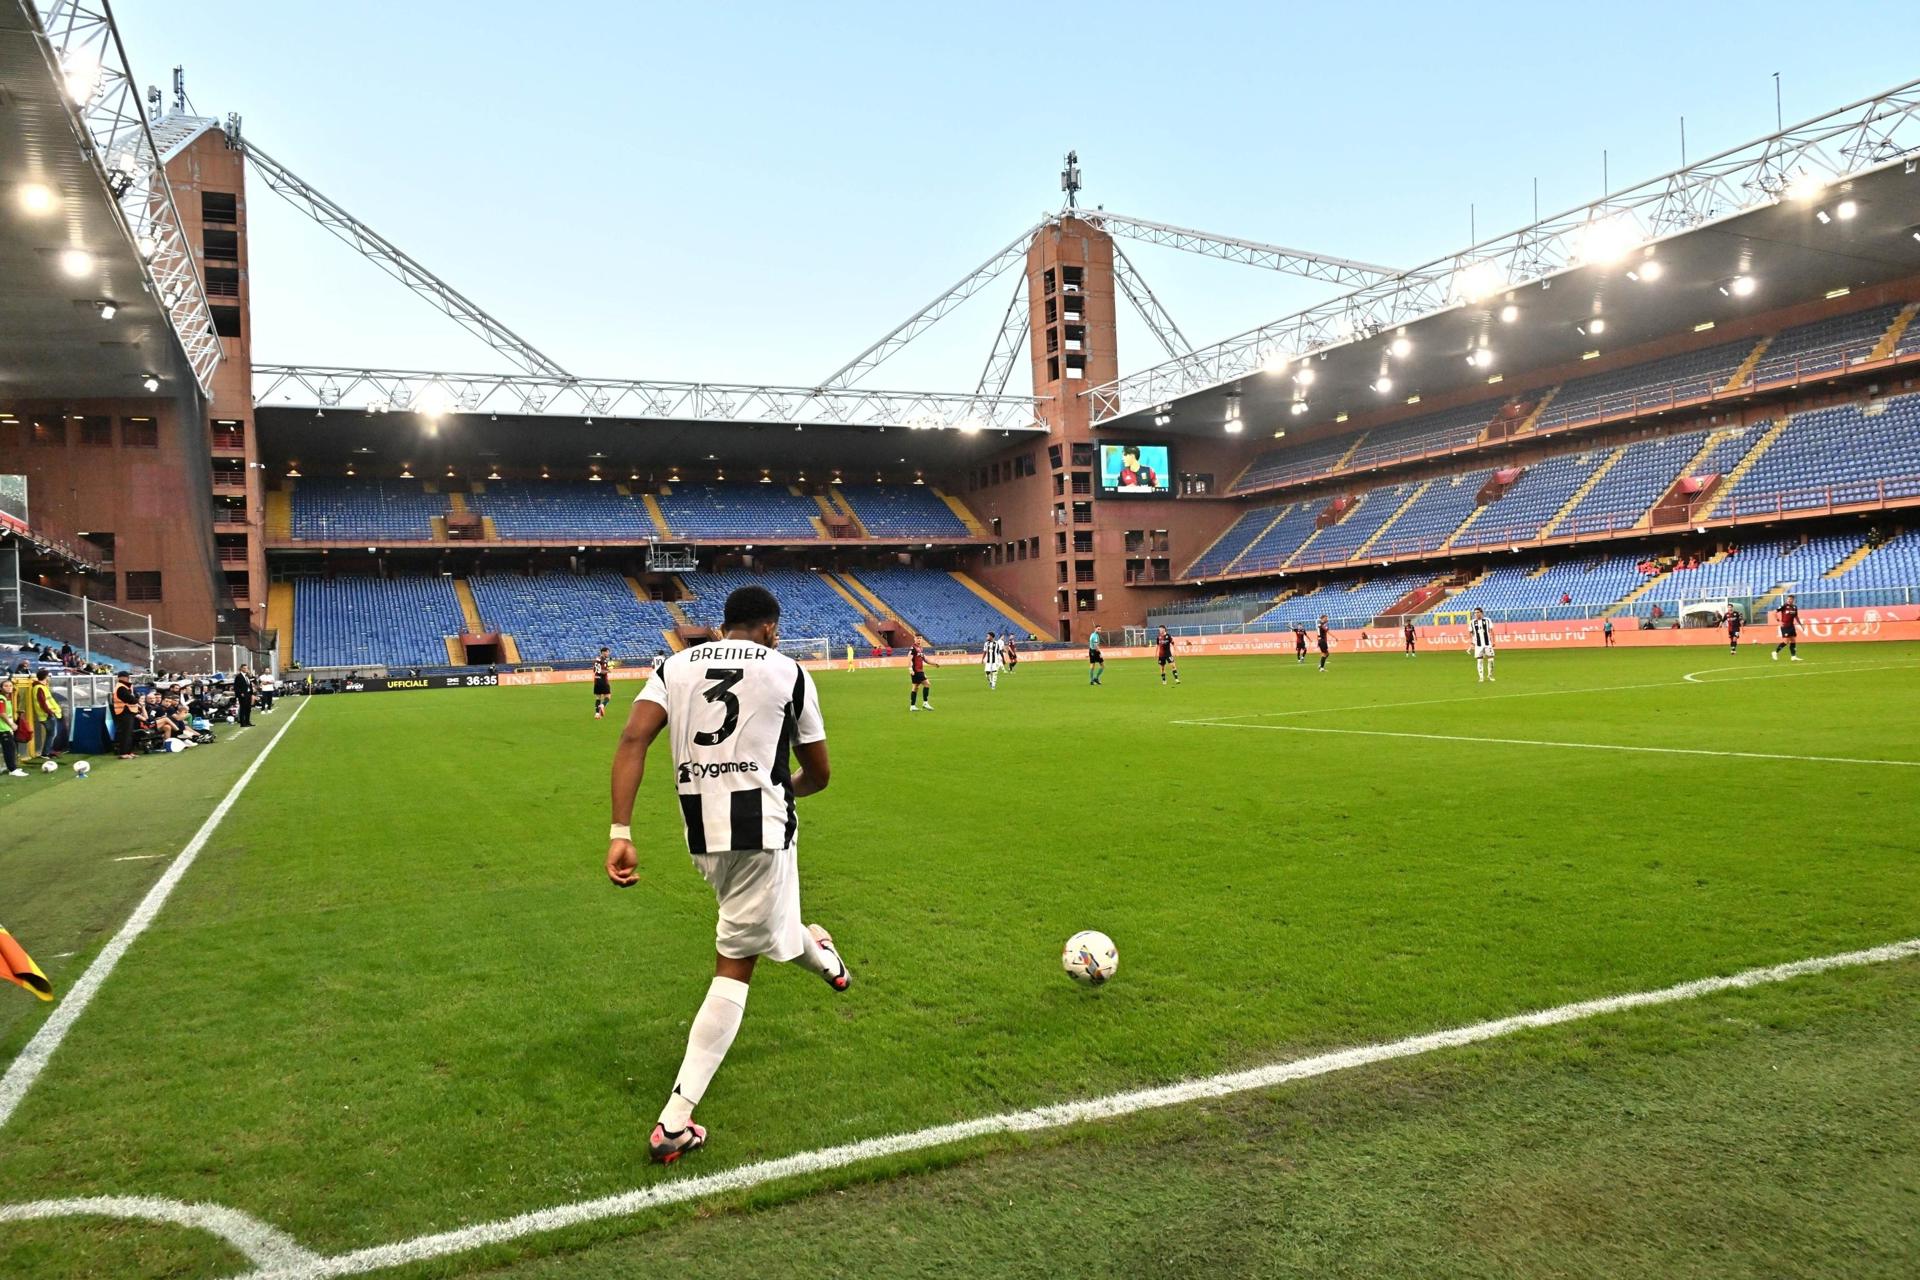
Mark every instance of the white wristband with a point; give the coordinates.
(620, 831)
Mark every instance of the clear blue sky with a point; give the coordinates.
(754, 192)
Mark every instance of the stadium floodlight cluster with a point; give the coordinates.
(83, 51)
(434, 395)
(1797, 162)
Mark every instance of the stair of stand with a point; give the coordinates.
(1747, 366)
(1627, 599)
(1854, 557)
(1734, 477)
(1895, 331)
(1398, 512)
(1352, 449)
(655, 514)
(840, 499)
(279, 514)
(959, 509)
(469, 607)
(1586, 486)
(1280, 513)
(1526, 424)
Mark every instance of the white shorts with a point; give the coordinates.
(758, 893)
(1483, 651)
(992, 668)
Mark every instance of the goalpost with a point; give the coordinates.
(818, 647)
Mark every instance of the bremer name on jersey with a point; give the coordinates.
(735, 711)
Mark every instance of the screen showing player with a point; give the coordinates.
(1135, 469)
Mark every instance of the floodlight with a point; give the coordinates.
(76, 262)
(1845, 210)
(1299, 406)
(1383, 384)
(1597, 326)
(107, 308)
(36, 198)
(1305, 375)
(1509, 313)
(1402, 347)
(150, 382)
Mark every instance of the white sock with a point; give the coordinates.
(1489, 668)
(714, 1028)
(1480, 665)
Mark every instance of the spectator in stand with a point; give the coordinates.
(9, 741)
(126, 715)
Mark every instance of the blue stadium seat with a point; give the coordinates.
(544, 509)
(936, 605)
(747, 512)
(903, 511)
(365, 621)
(566, 617)
(326, 510)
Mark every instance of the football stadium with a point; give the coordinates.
(1427, 784)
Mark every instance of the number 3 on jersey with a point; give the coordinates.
(721, 691)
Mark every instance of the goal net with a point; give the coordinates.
(819, 647)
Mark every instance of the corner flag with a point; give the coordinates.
(17, 967)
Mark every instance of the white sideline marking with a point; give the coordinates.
(26, 1068)
(1546, 742)
(679, 1190)
(1825, 669)
(263, 1245)
(140, 857)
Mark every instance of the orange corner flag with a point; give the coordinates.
(17, 967)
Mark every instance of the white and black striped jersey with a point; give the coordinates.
(992, 652)
(735, 711)
(1482, 633)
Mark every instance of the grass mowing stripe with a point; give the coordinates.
(26, 1068)
(1543, 742)
(463, 1239)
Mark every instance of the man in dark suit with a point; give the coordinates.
(243, 694)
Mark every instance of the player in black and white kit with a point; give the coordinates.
(733, 708)
(991, 655)
(1480, 639)
(602, 687)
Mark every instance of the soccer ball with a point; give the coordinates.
(50, 766)
(1090, 957)
(81, 768)
(176, 746)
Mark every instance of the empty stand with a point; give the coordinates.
(1682, 377)
(937, 605)
(1835, 456)
(1823, 346)
(325, 510)
(748, 512)
(365, 621)
(809, 606)
(1535, 498)
(550, 510)
(902, 511)
(565, 617)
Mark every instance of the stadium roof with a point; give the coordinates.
(53, 341)
(326, 441)
(1830, 204)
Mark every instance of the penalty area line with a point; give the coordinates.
(26, 1068)
(1548, 742)
(680, 1190)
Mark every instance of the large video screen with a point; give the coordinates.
(13, 503)
(1135, 470)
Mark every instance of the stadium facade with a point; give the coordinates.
(1725, 355)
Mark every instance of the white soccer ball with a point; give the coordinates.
(50, 766)
(176, 746)
(81, 768)
(1090, 957)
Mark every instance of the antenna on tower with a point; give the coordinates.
(1070, 179)
(179, 91)
(153, 104)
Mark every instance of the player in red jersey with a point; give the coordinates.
(602, 687)
(1299, 643)
(1733, 624)
(1163, 648)
(1007, 651)
(1320, 638)
(1789, 631)
(917, 661)
(1410, 637)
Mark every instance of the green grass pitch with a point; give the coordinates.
(397, 996)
